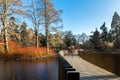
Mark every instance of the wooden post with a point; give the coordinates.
(73, 75)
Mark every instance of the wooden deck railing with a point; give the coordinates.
(66, 71)
(109, 61)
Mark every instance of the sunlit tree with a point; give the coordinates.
(115, 29)
(34, 12)
(13, 29)
(31, 36)
(7, 8)
(24, 34)
(51, 16)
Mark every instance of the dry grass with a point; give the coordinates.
(17, 51)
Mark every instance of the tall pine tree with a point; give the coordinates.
(115, 28)
(104, 34)
(96, 39)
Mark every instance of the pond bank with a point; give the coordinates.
(19, 57)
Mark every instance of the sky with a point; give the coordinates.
(84, 16)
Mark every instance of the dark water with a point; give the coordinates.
(29, 70)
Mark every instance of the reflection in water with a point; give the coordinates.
(25, 70)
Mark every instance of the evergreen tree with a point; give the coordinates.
(110, 37)
(96, 39)
(31, 36)
(104, 34)
(42, 40)
(115, 28)
(24, 34)
(13, 29)
(69, 39)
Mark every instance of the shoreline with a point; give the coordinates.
(20, 58)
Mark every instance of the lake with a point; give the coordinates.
(29, 70)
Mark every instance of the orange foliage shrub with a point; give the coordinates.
(27, 52)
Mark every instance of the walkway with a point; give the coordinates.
(89, 71)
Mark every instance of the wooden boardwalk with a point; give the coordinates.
(89, 71)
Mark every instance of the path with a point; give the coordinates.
(89, 71)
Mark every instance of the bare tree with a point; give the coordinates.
(51, 16)
(7, 8)
(34, 12)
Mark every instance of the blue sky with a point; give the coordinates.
(85, 15)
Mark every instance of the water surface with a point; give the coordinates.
(29, 70)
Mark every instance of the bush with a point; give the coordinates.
(17, 51)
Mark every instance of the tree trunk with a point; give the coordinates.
(46, 27)
(37, 44)
(47, 40)
(36, 27)
(5, 27)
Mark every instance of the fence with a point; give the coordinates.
(109, 61)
